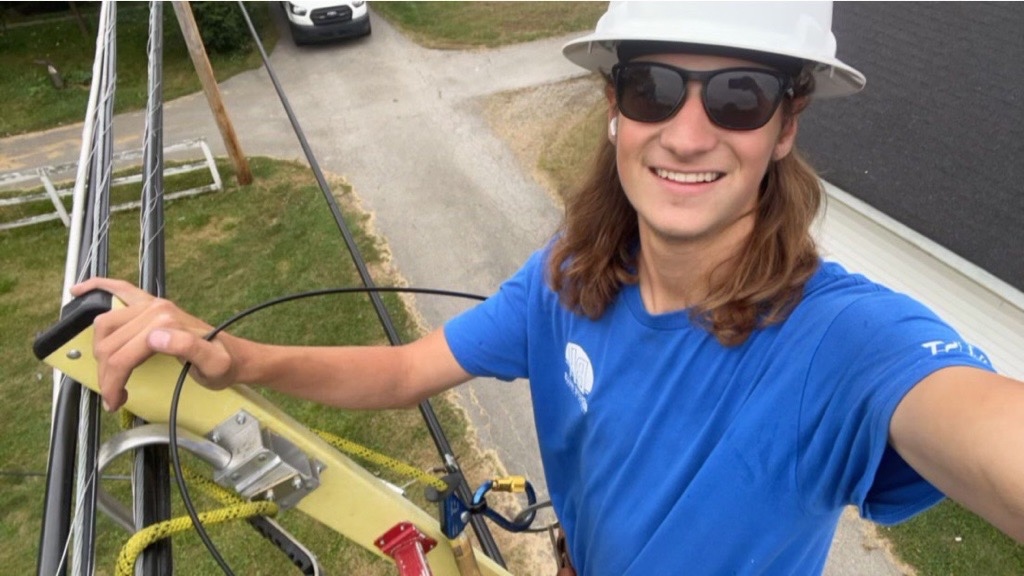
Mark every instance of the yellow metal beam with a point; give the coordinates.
(349, 500)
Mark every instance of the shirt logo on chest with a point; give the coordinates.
(579, 373)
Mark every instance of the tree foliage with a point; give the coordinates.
(222, 26)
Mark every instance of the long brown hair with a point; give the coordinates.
(594, 253)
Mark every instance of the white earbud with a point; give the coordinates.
(613, 127)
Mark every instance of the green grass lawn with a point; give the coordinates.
(487, 24)
(31, 103)
(951, 541)
(225, 251)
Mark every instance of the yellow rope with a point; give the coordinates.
(236, 509)
(396, 466)
(352, 449)
(223, 495)
(126, 418)
(154, 532)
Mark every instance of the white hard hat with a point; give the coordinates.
(801, 30)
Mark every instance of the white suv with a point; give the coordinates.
(317, 20)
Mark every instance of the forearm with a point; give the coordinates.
(356, 377)
(996, 446)
(962, 429)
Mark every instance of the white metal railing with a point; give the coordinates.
(51, 176)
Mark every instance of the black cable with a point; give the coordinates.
(151, 498)
(176, 396)
(444, 448)
(529, 510)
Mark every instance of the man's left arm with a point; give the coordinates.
(962, 429)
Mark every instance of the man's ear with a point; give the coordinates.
(787, 138)
(613, 113)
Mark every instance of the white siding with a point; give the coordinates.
(988, 312)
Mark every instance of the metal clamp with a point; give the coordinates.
(263, 465)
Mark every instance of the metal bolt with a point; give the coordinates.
(74, 354)
(297, 483)
(215, 437)
(270, 495)
(240, 419)
(262, 457)
(235, 476)
(464, 517)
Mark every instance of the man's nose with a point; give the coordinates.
(690, 131)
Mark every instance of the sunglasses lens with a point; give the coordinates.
(649, 93)
(735, 99)
(742, 99)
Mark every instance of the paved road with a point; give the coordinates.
(401, 123)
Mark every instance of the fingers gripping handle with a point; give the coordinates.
(75, 316)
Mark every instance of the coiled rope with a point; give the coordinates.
(236, 509)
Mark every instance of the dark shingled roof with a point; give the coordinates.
(936, 139)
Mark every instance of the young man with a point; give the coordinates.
(708, 393)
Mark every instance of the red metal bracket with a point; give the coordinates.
(408, 547)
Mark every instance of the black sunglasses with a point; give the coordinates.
(734, 98)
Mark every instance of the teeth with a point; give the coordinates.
(687, 177)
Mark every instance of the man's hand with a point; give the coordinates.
(126, 337)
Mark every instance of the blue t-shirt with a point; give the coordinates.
(668, 453)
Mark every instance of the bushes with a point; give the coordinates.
(223, 27)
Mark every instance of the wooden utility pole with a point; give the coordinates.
(183, 11)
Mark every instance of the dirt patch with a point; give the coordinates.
(529, 120)
(875, 540)
(524, 554)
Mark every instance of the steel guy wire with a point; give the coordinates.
(150, 483)
(72, 264)
(84, 521)
(151, 244)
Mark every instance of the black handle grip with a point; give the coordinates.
(75, 316)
